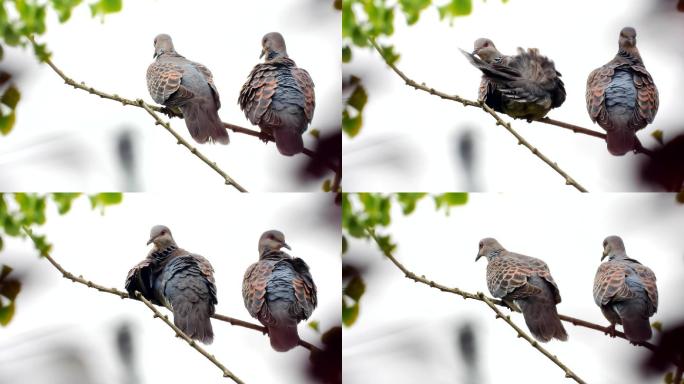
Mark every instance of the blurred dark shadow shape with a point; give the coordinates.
(326, 366)
(666, 168)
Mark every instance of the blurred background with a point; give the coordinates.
(411, 140)
(67, 139)
(63, 332)
(407, 332)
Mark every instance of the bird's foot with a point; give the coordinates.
(611, 331)
(265, 137)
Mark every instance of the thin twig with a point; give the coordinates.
(228, 180)
(191, 342)
(124, 295)
(568, 372)
(164, 110)
(491, 302)
(605, 330)
(499, 121)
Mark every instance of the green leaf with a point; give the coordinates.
(326, 185)
(2, 52)
(358, 98)
(350, 125)
(102, 200)
(389, 54)
(349, 313)
(657, 325)
(314, 324)
(669, 378)
(346, 54)
(408, 201)
(1, 243)
(345, 245)
(11, 97)
(7, 122)
(6, 270)
(10, 289)
(104, 7)
(64, 8)
(63, 201)
(455, 8)
(41, 244)
(355, 288)
(413, 8)
(385, 243)
(448, 200)
(377, 208)
(315, 133)
(41, 52)
(6, 314)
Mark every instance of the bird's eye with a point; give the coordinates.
(163, 232)
(486, 44)
(481, 244)
(605, 243)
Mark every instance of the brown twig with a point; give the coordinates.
(164, 110)
(499, 121)
(124, 295)
(191, 342)
(491, 302)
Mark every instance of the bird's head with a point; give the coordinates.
(272, 241)
(273, 46)
(161, 236)
(162, 44)
(613, 246)
(485, 49)
(627, 38)
(488, 248)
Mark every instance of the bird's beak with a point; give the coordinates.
(475, 51)
(150, 240)
(263, 52)
(605, 253)
(286, 246)
(478, 257)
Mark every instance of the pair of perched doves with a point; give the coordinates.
(278, 290)
(624, 289)
(278, 96)
(621, 96)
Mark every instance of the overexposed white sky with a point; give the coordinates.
(64, 138)
(51, 309)
(409, 138)
(409, 328)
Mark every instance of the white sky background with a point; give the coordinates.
(408, 140)
(64, 138)
(104, 248)
(408, 329)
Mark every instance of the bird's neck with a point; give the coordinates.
(631, 54)
(162, 253)
(273, 254)
(494, 253)
(618, 255)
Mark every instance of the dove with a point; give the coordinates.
(626, 291)
(177, 82)
(279, 97)
(279, 291)
(526, 282)
(525, 86)
(179, 280)
(621, 96)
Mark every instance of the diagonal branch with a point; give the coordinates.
(499, 121)
(191, 342)
(124, 295)
(171, 113)
(491, 303)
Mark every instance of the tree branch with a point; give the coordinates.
(191, 342)
(124, 295)
(499, 121)
(171, 113)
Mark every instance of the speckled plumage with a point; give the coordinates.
(621, 95)
(279, 291)
(177, 82)
(179, 280)
(526, 281)
(525, 86)
(626, 291)
(279, 97)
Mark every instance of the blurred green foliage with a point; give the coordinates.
(362, 212)
(19, 210)
(372, 19)
(21, 18)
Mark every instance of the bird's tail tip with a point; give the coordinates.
(283, 338)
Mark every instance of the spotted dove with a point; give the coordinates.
(527, 282)
(621, 96)
(626, 291)
(179, 280)
(524, 86)
(279, 291)
(279, 97)
(177, 82)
